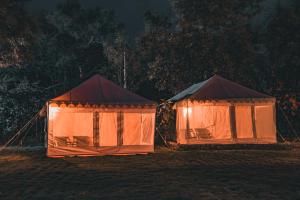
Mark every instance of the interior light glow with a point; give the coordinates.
(53, 112)
(187, 111)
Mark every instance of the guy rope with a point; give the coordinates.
(19, 133)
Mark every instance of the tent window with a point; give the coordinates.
(72, 129)
(202, 123)
(108, 129)
(146, 128)
(243, 119)
(264, 120)
(132, 129)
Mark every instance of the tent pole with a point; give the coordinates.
(46, 128)
(120, 128)
(253, 122)
(187, 120)
(96, 129)
(232, 122)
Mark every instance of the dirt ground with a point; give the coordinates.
(185, 174)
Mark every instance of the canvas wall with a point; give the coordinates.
(213, 123)
(210, 120)
(73, 130)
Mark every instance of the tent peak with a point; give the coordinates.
(99, 90)
(218, 88)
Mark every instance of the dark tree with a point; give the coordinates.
(75, 43)
(208, 37)
(71, 44)
(17, 33)
(282, 40)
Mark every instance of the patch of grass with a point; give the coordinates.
(166, 174)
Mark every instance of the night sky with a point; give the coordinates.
(129, 12)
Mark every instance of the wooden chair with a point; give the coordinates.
(202, 133)
(62, 141)
(190, 134)
(81, 141)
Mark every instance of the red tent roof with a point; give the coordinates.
(98, 90)
(218, 87)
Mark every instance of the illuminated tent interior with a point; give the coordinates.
(98, 118)
(220, 111)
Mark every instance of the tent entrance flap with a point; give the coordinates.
(244, 126)
(265, 125)
(108, 129)
(202, 123)
(147, 128)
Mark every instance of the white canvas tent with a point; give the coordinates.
(99, 118)
(221, 111)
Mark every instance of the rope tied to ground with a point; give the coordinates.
(19, 133)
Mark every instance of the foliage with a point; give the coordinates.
(19, 99)
(17, 33)
(165, 121)
(216, 37)
(75, 43)
(282, 40)
(209, 37)
(71, 44)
